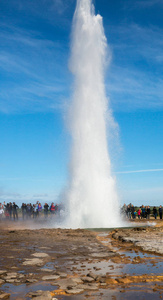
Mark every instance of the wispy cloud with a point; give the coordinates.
(33, 71)
(26, 198)
(45, 9)
(33, 179)
(134, 79)
(138, 196)
(139, 171)
(147, 3)
(61, 6)
(35, 75)
(29, 197)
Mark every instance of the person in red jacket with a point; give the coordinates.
(52, 208)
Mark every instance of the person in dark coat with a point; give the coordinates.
(10, 210)
(14, 211)
(160, 212)
(142, 212)
(148, 212)
(132, 211)
(155, 212)
(24, 210)
(129, 211)
(46, 209)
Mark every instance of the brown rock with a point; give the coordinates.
(47, 270)
(40, 255)
(94, 276)
(77, 280)
(2, 272)
(90, 287)
(74, 291)
(66, 284)
(123, 280)
(50, 277)
(28, 280)
(40, 295)
(111, 281)
(87, 279)
(61, 274)
(4, 296)
(33, 262)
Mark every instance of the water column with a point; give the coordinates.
(91, 198)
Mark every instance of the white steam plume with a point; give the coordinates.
(91, 199)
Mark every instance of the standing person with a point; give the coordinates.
(143, 212)
(132, 211)
(34, 211)
(160, 212)
(29, 210)
(155, 212)
(139, 213)
(56, 208)
(36, 205)
(46, 208)
(39, 208)
(14, 210)
(124, 210)
(148, 212)
(1, 211)
(7, 215)
(129, 212)
(10, 210)
(135, 213)
(52, 208)
(23, 208)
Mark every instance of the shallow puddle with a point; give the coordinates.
(17, 291)
(141, 292)
(151, 263)
(82, 265)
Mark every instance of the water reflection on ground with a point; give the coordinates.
(130, 261)
(17, 291)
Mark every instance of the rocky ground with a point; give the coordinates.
(80, 264)
(148, 239)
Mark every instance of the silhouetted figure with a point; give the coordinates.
(35, 211)
(160, 212)
(129, 211)
(14, 211)
(142, 212)
(155, 212)
(39, 209)
(10, 210)
(29, 210)
(132, 211)
(23, 208)
(46, 209)
(148, 212)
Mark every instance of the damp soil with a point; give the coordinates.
(50, 259)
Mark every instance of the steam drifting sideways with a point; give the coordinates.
(91, 199)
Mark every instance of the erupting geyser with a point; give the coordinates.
(91, 198)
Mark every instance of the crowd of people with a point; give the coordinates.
(143, 212)
(10, 210)
(28, 211)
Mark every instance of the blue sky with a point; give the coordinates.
(36, 87)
